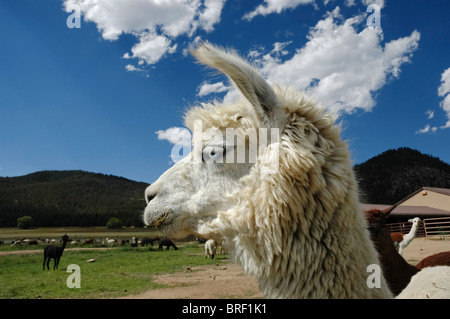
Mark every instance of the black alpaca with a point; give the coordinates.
(166, 242)
(145, 241)
(54, 252)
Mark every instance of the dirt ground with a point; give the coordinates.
(226, 281)
(229, 281)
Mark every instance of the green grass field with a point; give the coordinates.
(118, 271)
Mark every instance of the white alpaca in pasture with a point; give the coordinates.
(210, 248)
(110, 241)
(291, 216)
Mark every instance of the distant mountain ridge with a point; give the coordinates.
(71, 198)
(396, 173)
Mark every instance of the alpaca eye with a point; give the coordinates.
(213, 154)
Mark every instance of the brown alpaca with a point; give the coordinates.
(439, 259)
(397, 237)
(396, 269)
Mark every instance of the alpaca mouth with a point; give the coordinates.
(160, 220)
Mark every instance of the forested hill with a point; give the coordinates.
(71, 198)
(394, 174)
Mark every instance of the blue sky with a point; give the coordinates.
(107, 97)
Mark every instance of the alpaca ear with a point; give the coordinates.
(252, 85)
(388, 210)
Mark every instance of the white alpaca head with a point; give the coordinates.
(415, 221)
(189, 197)
(227, 140)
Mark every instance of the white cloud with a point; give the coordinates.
(444, 88)
(444, 91)
(380, 3)
(427, 129)
(114, 17)
(445, 104)
(175, 135)
(152, 47)
(341, 67)
(132, 68)
(207, 88)
(211, 14)
(277, 6)
(271, 6)
(181, 138)
(155, 23)
(279, 48)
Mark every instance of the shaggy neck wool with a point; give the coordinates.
(301, 230)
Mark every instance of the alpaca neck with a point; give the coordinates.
(397, 271)
(63, 246)
(412, 233)
(323, 271)
(320, 265)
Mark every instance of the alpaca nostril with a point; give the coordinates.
(150, 193)
(150, 197)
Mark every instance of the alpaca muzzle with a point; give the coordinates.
(160, 220)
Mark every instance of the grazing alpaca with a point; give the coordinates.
(89, 241)
(291, 217)
(223, 248)
(134, 242)
(145, 241)
(17, 242)
(110, 241)
(402, 241)
(54, 252)
(166, 242)
(210, 248)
